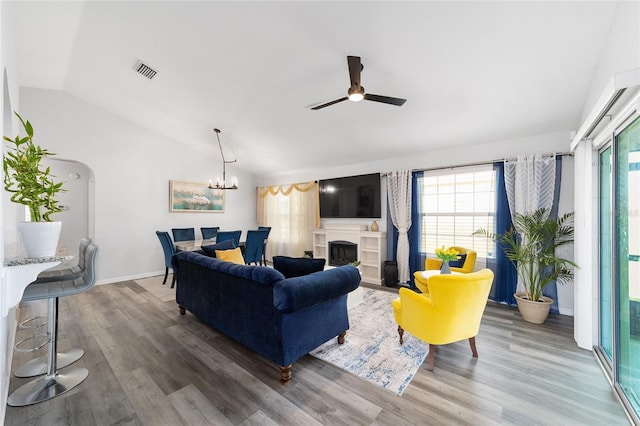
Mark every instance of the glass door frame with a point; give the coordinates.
(611, 367)
(606, 362)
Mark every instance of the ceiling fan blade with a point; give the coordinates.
(355, 67)
(385, 99)
(317, 107)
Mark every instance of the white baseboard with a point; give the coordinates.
(130, 277)
(568, 312)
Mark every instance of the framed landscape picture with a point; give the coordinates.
(195, 197)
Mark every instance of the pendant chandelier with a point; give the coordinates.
(223, 184)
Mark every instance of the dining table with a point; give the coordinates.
(192, 245)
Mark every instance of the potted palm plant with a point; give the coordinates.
(534, 253)
(33, 186)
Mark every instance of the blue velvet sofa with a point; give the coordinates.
(282, 319)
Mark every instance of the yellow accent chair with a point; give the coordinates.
(433, 264)
(451, 311)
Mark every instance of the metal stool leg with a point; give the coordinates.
(53, 383)
(26, 324)
(39, 366)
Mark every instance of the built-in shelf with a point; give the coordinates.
(371, 248)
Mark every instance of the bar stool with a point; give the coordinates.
(38, 366)
(55, 383)
(67, 273)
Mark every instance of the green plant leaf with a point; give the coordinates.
(24, 178)
(533, 249)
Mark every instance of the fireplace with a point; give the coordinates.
(342, 253)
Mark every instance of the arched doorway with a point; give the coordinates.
(77, 201)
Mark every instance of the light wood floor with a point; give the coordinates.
(150, 366)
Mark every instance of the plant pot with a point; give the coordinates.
(535, 312)
(39, 239)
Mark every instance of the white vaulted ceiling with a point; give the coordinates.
(472, 72)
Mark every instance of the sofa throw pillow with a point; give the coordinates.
(232, 255)
(210, 250)
(458, 263)
(297, 266)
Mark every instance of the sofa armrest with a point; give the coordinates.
(294, 294)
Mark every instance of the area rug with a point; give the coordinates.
(372, 349)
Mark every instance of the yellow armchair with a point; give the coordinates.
(451, 311)
(432, 264)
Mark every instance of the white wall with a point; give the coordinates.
(566, 301)
(132, 166)
(621, 53)
(76, 200)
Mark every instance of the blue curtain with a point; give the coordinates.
(416, 258)
(505, 275)
(551, 290)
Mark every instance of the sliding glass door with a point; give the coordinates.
(619, 262)
(627, 261)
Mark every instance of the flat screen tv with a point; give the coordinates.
(350, 197)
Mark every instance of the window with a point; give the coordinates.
(454, 203)
(291, 211)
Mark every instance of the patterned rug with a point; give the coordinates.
(372, 350)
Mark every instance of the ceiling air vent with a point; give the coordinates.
(145, 70)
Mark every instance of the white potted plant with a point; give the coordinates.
(534, 254)
(33, 186)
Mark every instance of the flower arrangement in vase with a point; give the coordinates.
(446, 255)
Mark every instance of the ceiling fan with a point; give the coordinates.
(356, 91)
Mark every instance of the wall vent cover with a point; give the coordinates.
(145, 70)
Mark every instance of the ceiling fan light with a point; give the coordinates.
(356, 93)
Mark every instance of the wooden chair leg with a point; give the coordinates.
(401, 333)
(472, 343)
(173, 281)
(166, 274)
(431, 357)
(341, 337)
(285, 373)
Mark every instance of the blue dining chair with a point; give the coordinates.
(183, 234)
(169, 250)
(229, 235)
(254, 246)
(264, 251)
(209, 233)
